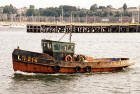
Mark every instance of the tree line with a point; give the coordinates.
(67, 11)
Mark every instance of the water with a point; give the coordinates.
(97, 45)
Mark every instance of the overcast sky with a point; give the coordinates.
(77, 3)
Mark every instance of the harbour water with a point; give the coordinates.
(96, 44)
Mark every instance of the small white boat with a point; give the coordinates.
(17, 26)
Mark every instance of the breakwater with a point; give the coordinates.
(83, 28)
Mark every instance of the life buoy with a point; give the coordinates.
(68, 58)
(88, 69)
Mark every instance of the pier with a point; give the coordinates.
(83, 28)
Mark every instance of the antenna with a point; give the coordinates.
(67, 33)
(138, 13)
(71, 17)
(121, 16)
(62, 37)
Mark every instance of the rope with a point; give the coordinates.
(62, 37)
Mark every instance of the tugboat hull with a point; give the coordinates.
(27, 61)
(34, 68)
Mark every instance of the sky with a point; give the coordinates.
(78, 3)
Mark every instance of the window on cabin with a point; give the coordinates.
(56, 47)
(44, 44)
(70, 47)
(64, 48)
(49, 45)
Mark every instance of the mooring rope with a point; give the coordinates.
(62, 36)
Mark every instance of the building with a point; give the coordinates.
(132, 9)
(1, 10)
(22, 10)
(114, 10)
(3, 17)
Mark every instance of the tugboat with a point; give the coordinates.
(59, 57)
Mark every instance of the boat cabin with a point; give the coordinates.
(58, 50)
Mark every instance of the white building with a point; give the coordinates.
(22, 10)
(1, 10)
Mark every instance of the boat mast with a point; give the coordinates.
(70, 32)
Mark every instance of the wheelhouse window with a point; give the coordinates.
(70, 47)
(56, 47)
(64, 48)
(44, 44)
(49, 46)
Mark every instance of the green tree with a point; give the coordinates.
(9, 9)
(31, 11)
(105, 14)
(127, 14)
(94, 7)
(32, 7)
(109, 6)
(111, 13)
(124, 7)
(50, 12)
(117, 14)
(67, 8)
(81, 13)
(90, 13)
(102, 8)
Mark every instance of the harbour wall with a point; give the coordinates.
(84, 28)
